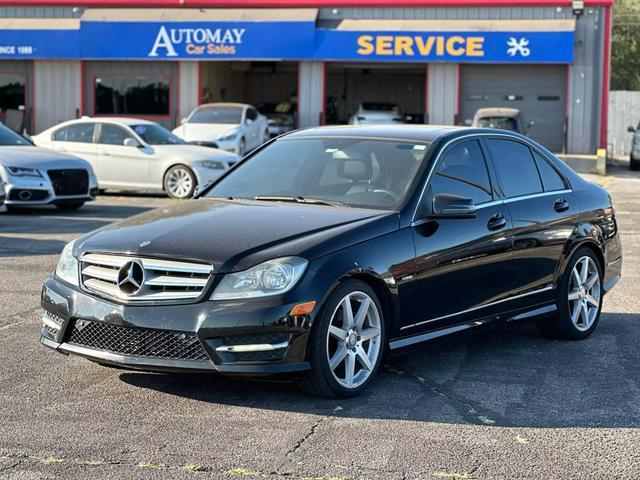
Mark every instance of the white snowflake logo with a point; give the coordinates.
(518, 47)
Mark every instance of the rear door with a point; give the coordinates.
(544, 212)
(462, 264)
(120, 165)
(77, 139)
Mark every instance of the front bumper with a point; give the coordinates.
(39, 191)
(221, 331)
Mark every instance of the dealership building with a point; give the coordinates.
(439, 60)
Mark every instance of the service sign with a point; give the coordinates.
(464, 47)
(25, 44)
(197, 40)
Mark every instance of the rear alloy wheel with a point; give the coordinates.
(180, 182)
(347, 342)
(580, 299)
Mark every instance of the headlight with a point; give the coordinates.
(24, 172)
(212, 164)
(67, 268)
(269, 278)
(229, 136)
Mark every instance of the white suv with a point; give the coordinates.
(134, 154)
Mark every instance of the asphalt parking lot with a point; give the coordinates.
(501, 405)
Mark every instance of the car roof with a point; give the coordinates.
(116, 120)
(497, 112)
(225, 104)
(419, 133)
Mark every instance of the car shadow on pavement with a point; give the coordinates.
(508, 377)
(28, 247)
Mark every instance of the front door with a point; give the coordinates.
(121, 165)
(462, 264)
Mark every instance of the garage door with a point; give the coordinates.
(538, 91)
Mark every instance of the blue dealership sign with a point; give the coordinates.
(464, 47)
(33, 43)
(197, 40)
(275, 40)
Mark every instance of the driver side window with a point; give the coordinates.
(463, 171)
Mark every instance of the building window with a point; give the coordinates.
(12, 92)
(145, 95)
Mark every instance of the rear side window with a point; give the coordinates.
(463, 172)
(515, 167)
(551, 179)
(78, 132)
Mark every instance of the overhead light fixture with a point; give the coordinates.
(578, 7)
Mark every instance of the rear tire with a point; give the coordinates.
(634, 164)
(70, 205)
(180, 182)
(579, 301)
(346, 342)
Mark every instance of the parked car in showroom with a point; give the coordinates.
(134, 154)
(281, 117)
(38, 176)
(235, 127)
(329, 247)
(634, 156)
(377, 113)
(502, 118)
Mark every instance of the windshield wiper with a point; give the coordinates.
(300, 199)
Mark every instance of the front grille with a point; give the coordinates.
(153, 279)
(140, 342)
(69, 182)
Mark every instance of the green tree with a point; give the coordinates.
(625, 47)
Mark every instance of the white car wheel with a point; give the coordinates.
(180, 182)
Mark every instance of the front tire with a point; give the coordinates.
(346, 343)
(180, 182)
(634, 164)
(580, 297)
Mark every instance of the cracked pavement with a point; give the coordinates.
(503, 404)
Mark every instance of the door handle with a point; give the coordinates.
(561, 205)
(105, 153)
(496, 222)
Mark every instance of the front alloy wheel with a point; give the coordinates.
(180, 182)
(346, 344)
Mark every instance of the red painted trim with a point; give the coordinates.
(297, 3)
(606, 77)
(297, 125)
(323, 115)
(458, 70)
(116, 75)
(178, 113)
(199, 92)
(32, 88)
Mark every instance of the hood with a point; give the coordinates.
(204, 131)
(40, 158)
(194, 153)
(235, 235)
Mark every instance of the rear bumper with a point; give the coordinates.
(253, 339)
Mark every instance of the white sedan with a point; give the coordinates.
(235, 127)
(377, 113)
(133, 154)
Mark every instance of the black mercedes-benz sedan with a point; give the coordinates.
(327, 248)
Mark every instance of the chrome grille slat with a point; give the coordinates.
(163, 280)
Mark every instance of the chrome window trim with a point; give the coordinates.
(535, 195)
(473, 309)
(480, 136)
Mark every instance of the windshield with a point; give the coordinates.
(156, 135)
(10, 138)
(230, 115)
(354, 171)
(504, 123)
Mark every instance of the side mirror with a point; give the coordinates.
(131, 142)
(446, 205)
(468, 122)
(631, 130)
(531, 123)
(248, 121)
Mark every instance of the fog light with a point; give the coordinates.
(302, 309)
